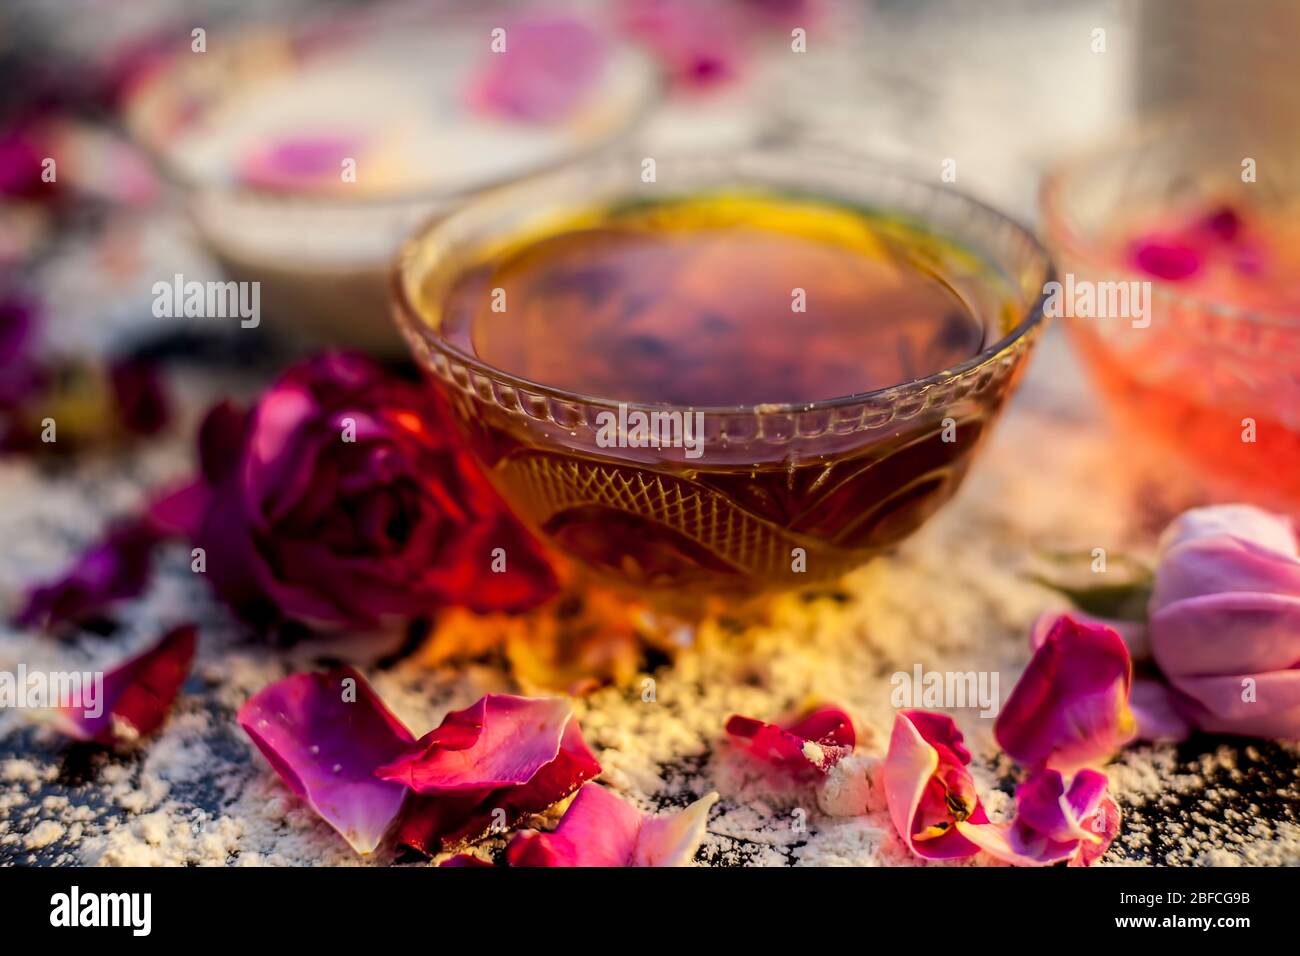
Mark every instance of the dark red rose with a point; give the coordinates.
(342, 499)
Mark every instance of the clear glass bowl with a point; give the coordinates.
(323, 250)
(840, 480)
(1214, 382)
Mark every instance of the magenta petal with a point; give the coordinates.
(137, 694)
(598, 829)
(445, 819)
(1045, 805)
(1070, 707)
(1132, 633)
(601, 829)
(1054, 823)
(698, 44)
(925, 777)
(816, 742)
(1104, 823)
(464, 860)
(498, 742)
(299, 162)
(325, 736)
(550, 64)
(1165, 258)
(178, 512)
(113, 569)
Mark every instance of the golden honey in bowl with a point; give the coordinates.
(726, 388)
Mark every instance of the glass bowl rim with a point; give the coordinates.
(366, 18)
(416, 330)
(1058, 229)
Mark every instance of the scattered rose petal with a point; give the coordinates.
(928, 787)
(465, 860)
(489, 765)
(699, 44)
(1070, 707)
(1167, 259)
(299, 162)
(1045, 805)
(500, 741)
(815, 742)
(600, 829)
(136, 694)
(1053, 823)
(550, 64)
(115, 568)
(325, 733)
(1133, 633)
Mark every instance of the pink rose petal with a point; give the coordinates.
(1165, 258)
(1045, 805)
(601, 829)
(1070, 707)
(489, 766)
(325, 736)
(699, 45)
(113, 569)
(300, 162)
(500, 741)
(136, 694)
(1105, 822)
(549, 65)
(1133, 633)
(815, 742)
(1053, 823)
(927, 786)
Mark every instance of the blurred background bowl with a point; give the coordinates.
(1212, 372)
(387, 87)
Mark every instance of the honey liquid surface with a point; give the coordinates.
(696, 302)
(718, 301)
